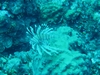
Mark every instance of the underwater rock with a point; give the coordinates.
(6, 42)
(51, 13)
(3, 17)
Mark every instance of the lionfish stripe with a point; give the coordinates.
(51, 49)
(48, 30)
(43, 31)
(48, 35)
(33, 46)
(38, 30)
(38, 49)
(35, 38)
(32, 30)
(45, 50)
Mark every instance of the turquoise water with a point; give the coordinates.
(49, 37)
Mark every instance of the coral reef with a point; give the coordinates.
(49, 37)
(64, 62)
(51, 13)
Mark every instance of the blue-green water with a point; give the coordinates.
(49, 37)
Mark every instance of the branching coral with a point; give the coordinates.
(40, 40)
